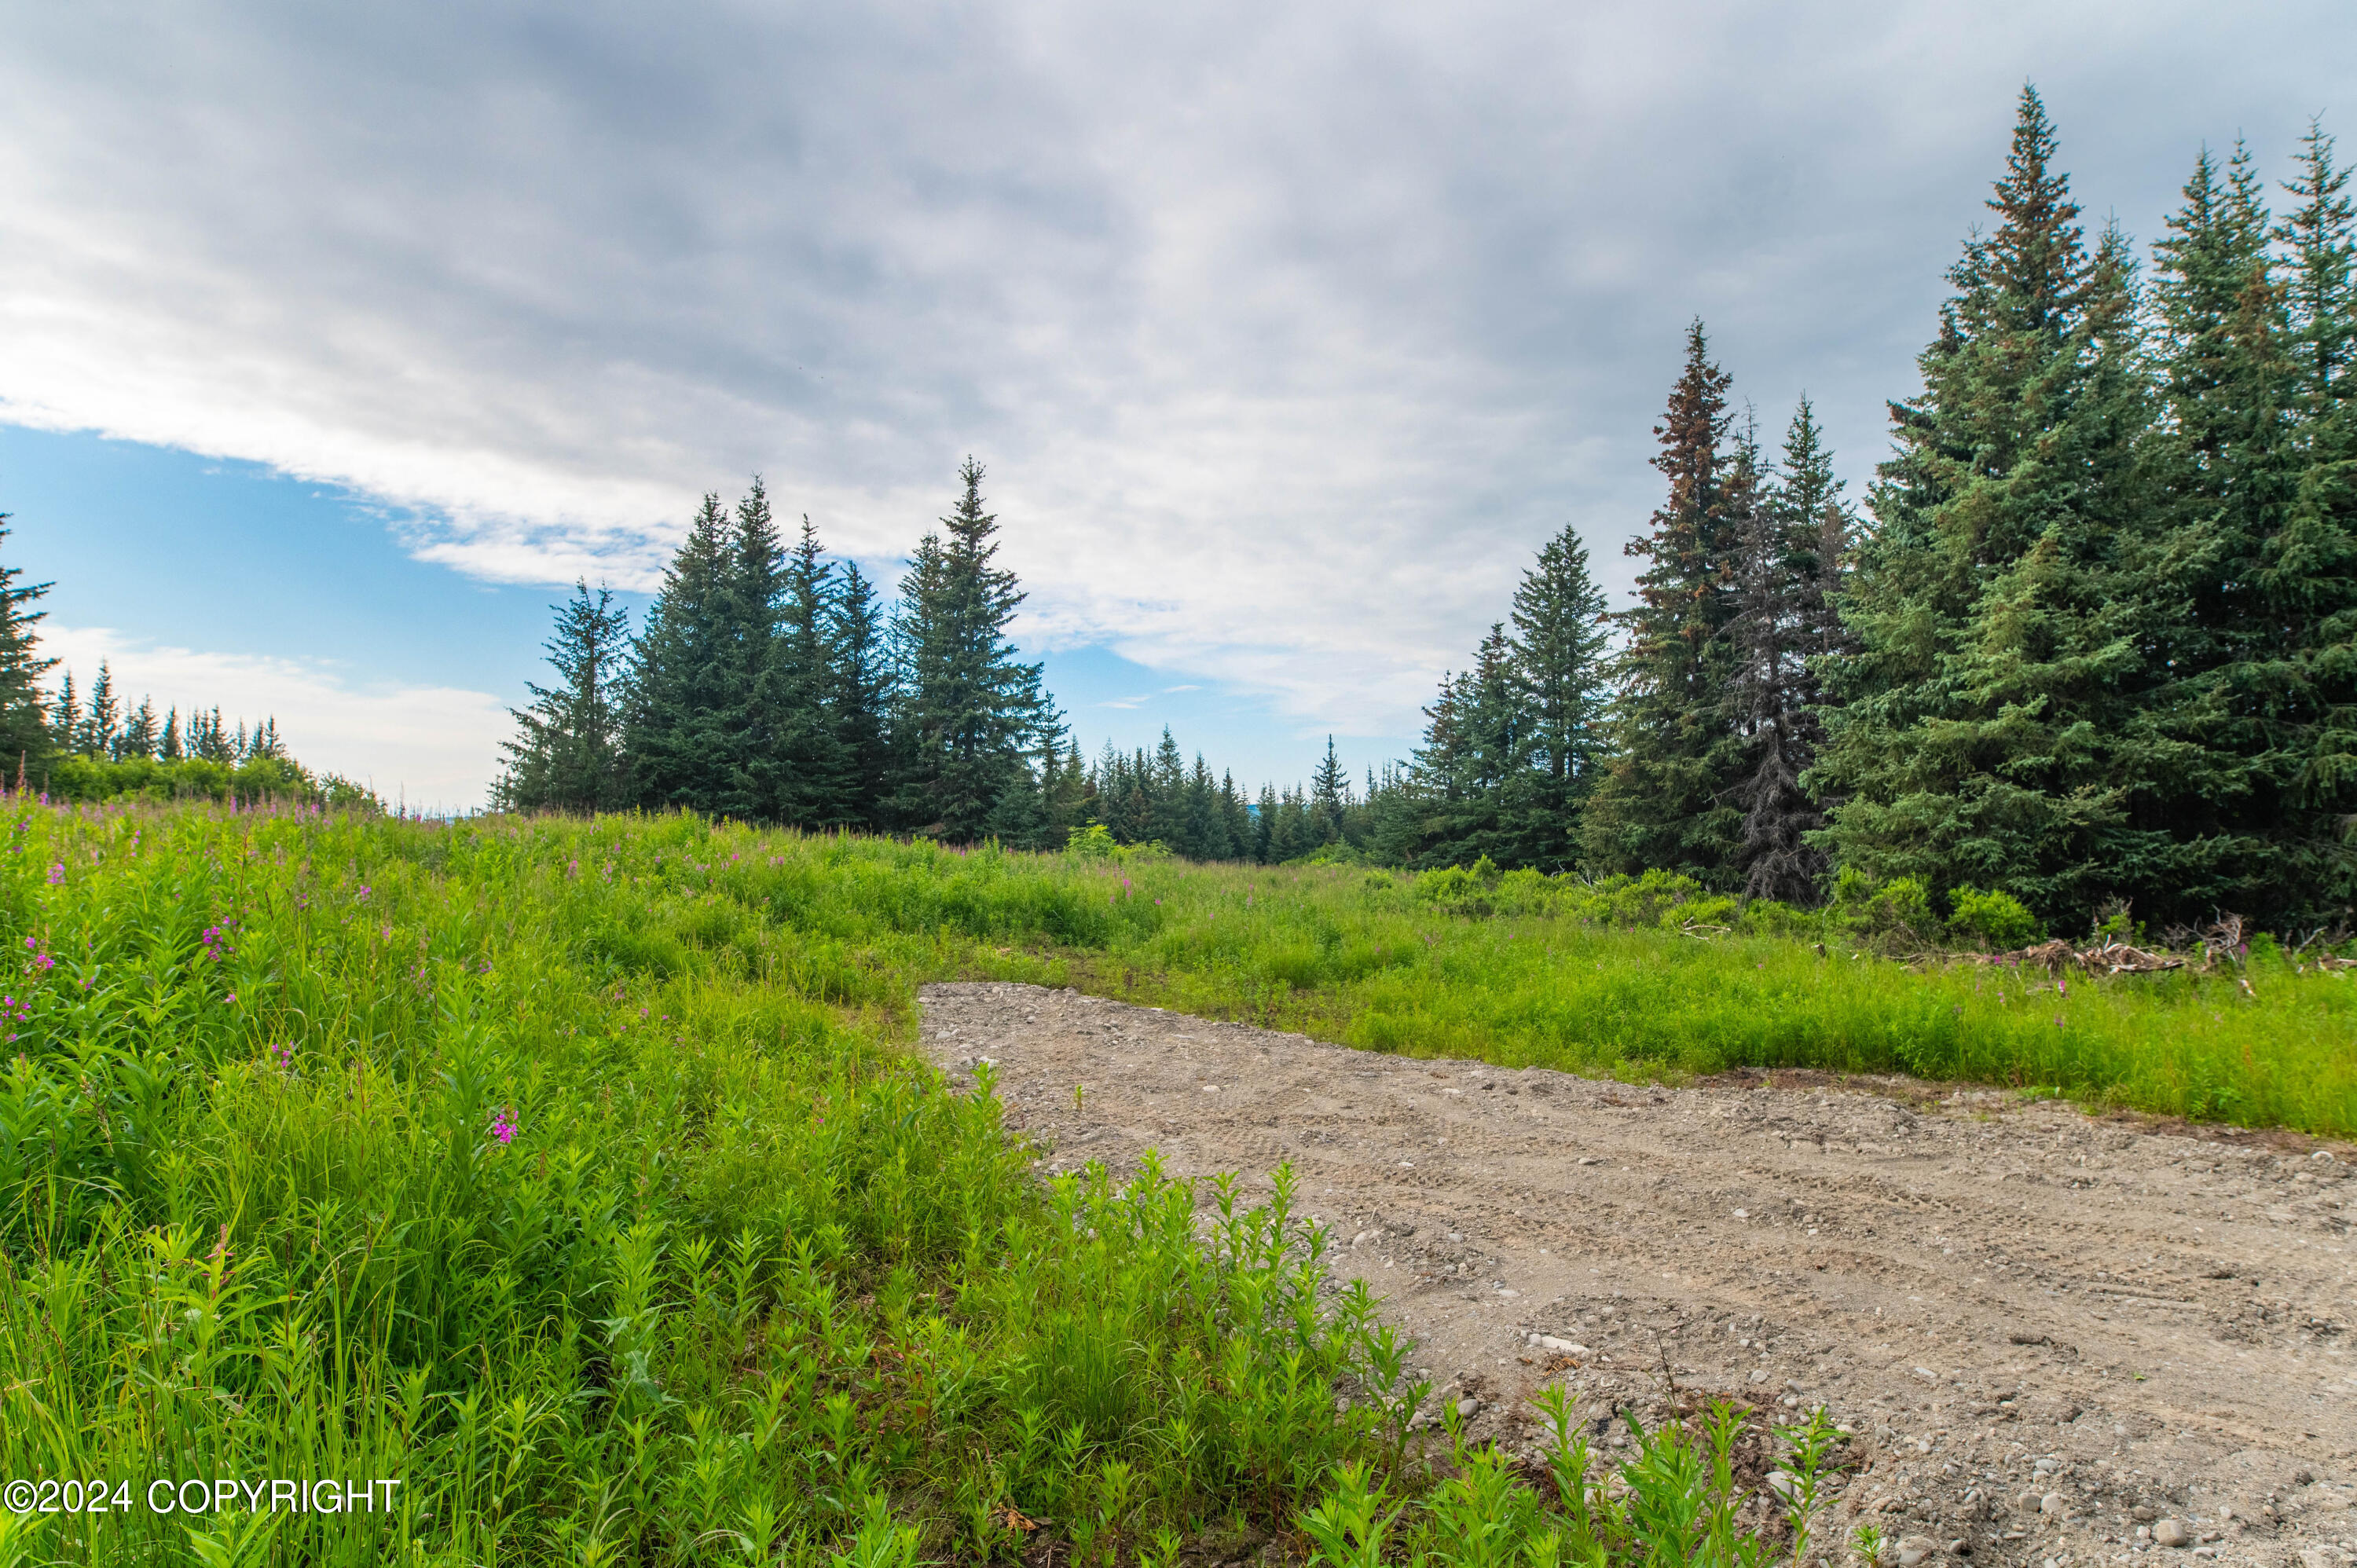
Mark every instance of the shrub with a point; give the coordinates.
(1996, 920)
(1094, 841)
(1767, 918)
(1717, 909)
(1893, 916)
(1632, 903)
(1461, 889)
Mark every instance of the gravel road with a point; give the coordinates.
(2054, 1338)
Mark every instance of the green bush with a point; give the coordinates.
(1712, 911)
(1994, 920)
(1890, 917)
(1767, 918)
(1094, 841)
(1629, 903)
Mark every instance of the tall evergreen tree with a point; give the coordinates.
(100, 729)
(139, 734)
(2225, 475)
(862, 698)
(759, 782)
(1994, 728)
(1264, 842)
(1206, 832)
(212, 743)
(169, 747)
(1472, 780)
(65, 720)
(2309, 576)
(685, 715)
(1560, 666)
(1236, 818)
(1792, 541)
(1166, 791)
(24, 717)
(568, 756)
(1329, 795)
(970, 708)
(1664, 801)
(1067, 794)
(808, 770)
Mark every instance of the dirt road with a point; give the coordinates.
(2054, 1338)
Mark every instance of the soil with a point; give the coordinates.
(2045, 1331)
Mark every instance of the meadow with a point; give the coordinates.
(577, 1177)
(1651, 978)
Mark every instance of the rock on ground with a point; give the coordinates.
(2011, 1305)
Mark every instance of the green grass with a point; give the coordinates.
(576, 1177)
(1543, 972)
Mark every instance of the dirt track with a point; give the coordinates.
(2045, 1331)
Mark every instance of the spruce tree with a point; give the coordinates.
(1559, 664)
(568, 756)
(169, 748)
(1236, 819)
(1169, 795)
(139, 735)
(971, 709)
(1474, 772)
(1664, 801)
(2226, 472)
(2309, 577)
(685, 715)
(1206, 832)
(1068, 796)
(1329, 795)
(1996, 727)
(806, 769)
(1263, 841)
(751, 785)
(23, 718)
(1426, 823)
(65, 721)
(862, 698)
(100, 730)
(1793, 538)
(215, 745)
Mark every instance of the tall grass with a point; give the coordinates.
(1541, 972)
(575, 1177)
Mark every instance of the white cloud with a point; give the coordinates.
(1288, 333)
(431, 747)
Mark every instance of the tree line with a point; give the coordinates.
(2091, 641)
(104, 729)
(769, 683)
(72, 746)
(2091, 645)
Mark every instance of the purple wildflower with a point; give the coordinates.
(57, 874)
(504, 1125)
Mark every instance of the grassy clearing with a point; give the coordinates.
(575, 1176)
(1547, 973)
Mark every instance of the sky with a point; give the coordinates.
(338, 340)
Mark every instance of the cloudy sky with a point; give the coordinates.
(335, 336)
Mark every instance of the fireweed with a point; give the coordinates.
(744, 1281)
(336, 1146)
